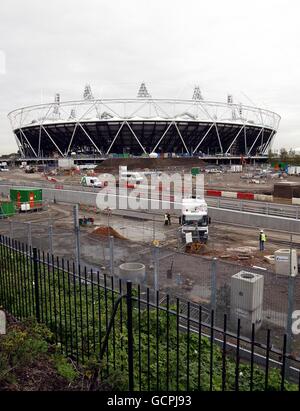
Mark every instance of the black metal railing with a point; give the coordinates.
(140, 339)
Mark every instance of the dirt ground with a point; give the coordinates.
(187, 276)
(184, 275)
(228, 181)
(133, 242)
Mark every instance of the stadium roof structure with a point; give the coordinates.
(142, 125)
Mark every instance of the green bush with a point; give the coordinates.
(65, 368)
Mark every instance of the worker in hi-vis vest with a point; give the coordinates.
(262, 240)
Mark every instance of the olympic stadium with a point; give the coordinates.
(142, 126)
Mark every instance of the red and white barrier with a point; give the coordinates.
(239, 195)
(245, 196)
(229, 194)
(214, 193)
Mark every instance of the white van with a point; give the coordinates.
(131, 177)
(91, 182)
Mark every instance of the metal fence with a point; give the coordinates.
(208, 281)
(199, 279)
(140, 339)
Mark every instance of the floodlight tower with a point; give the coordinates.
(87, 93)
(72, 114)
(230, 102)
(57, 104)
(143, 92)
(197, 95)
(240, 110)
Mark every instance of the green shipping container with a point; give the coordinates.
(31, 197)
(7, 209)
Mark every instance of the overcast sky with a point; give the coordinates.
(248, 48)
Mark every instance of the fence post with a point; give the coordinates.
(77, 235)
(156, 268)
(111, 254)
(50, 235)
(291, 294)
(178, 239)
(10, 229)
(36, 284)
(29, 235)
(213, 296)
(130, 336)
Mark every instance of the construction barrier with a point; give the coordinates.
(229, 194)
(128, 185)
(214, 193)
(296, 201)
(245, 196)
(263, 197)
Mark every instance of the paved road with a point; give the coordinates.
(257, 207)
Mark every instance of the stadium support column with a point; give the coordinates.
(115, 137)
(245, 140)
(40, 136)
(220, 144)
(53, 142)
(128, 125)
(71, 140)
(165, 132)
(86, 133)
(181, 138)
(262, 140)
(28, 142)
(19, 145)
(249, 152)
(268, 142)
(234, 140)
(203, 138)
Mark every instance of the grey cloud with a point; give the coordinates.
(229, 46)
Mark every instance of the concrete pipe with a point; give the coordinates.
(134, 272)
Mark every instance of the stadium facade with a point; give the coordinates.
(142, 126)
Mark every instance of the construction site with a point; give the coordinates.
(59, 216)
(149, 199)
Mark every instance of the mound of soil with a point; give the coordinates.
(112, 164)
(197, 248)
(107, 231)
